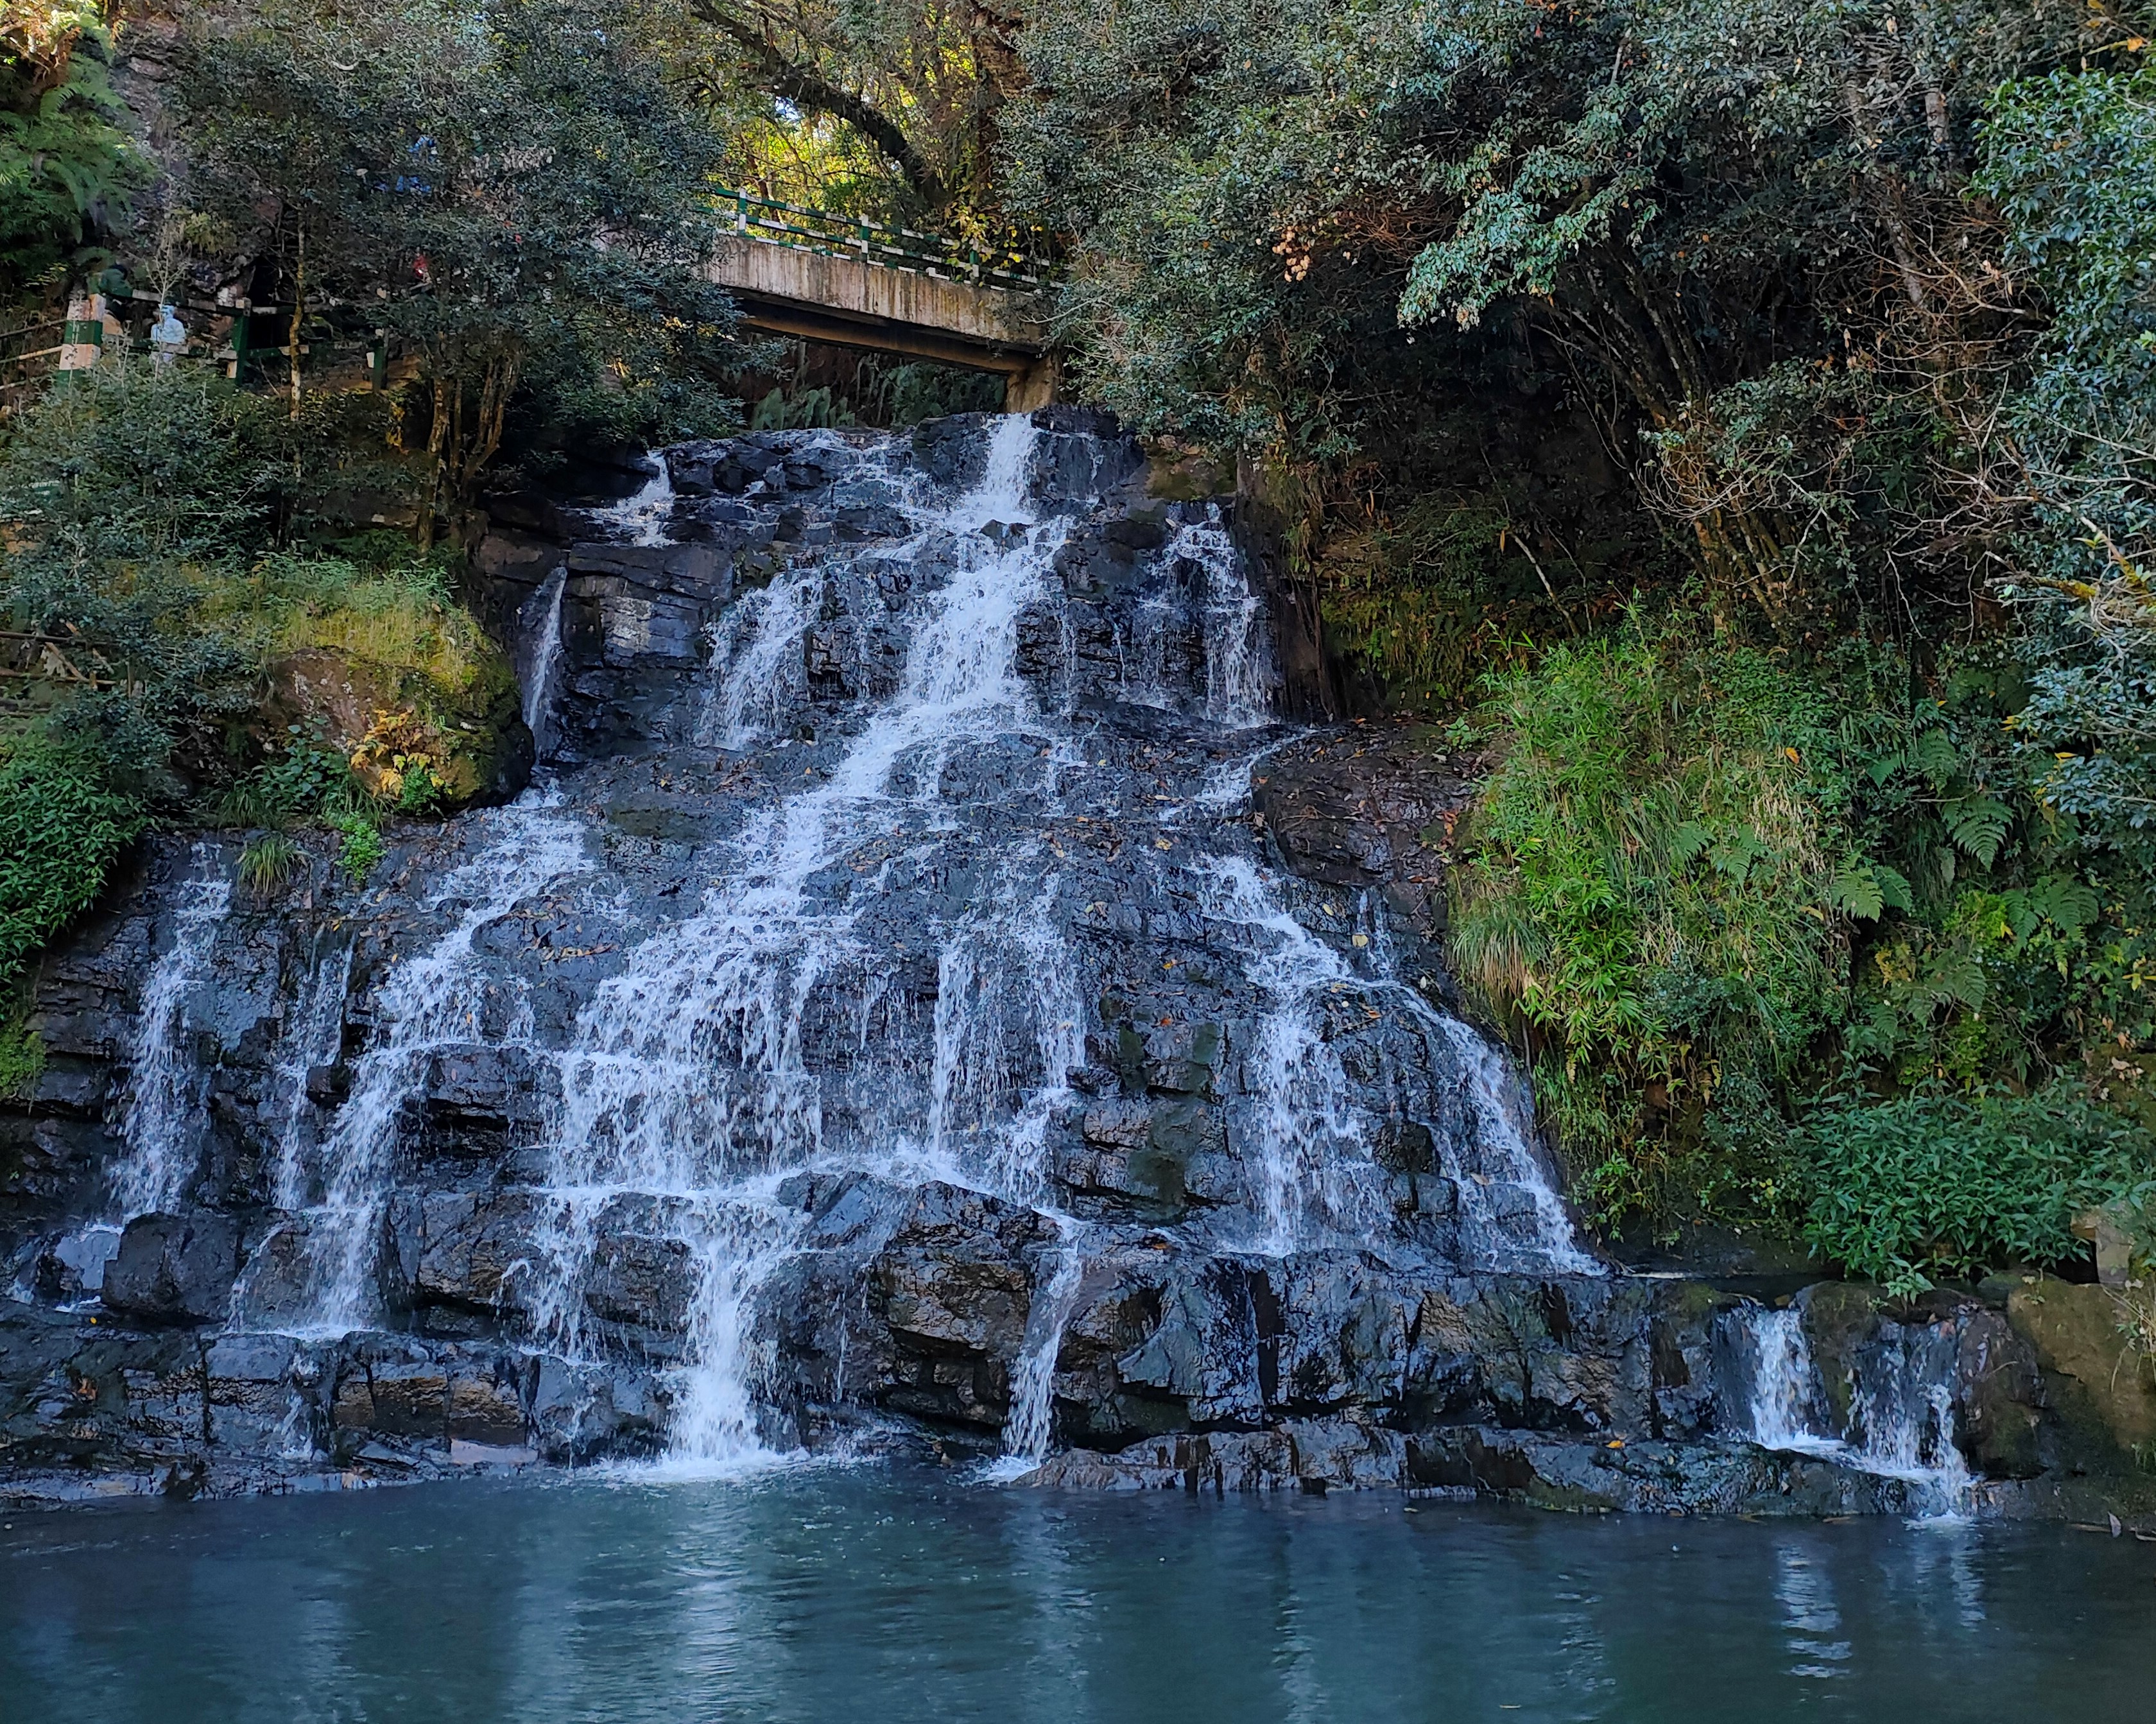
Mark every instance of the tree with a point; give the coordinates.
(503, 185)
(1663, 203)
(889, 108)
(2072, 161)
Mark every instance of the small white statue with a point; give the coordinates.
(168, 336)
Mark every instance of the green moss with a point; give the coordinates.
(22, 1060)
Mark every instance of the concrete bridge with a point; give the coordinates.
(818, 277)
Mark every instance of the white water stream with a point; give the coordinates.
(162, 1124)
(686, 1096)
(641, 518)
(1900, 1423)
(438, 998)
(544, 653)
(686, 1078)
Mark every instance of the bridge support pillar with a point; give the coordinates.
(1034, 387)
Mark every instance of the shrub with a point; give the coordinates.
(61, 828)
(65, 155)
(1929, 1185)
(363, 846)
(1652, 901)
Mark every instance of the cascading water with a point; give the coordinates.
(314, 1034)
(1030, 1430)
(950, 1007)
(1238, 661)
(433, 1001)
(756, 651)
(1899, 1418)
(890, 962)
(544, 655)
(685, 1076)
(162, 1121)
(1318, 1178)
(641, 518)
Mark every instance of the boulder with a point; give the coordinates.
(174, 1268)
(1646, 1477)
(2074, 1329)
(954, 1285)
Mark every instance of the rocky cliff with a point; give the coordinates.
(926, 1002)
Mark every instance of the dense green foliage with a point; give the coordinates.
(1657, 897)
(169, 532)
(67, 167)
(886, 108)
(2072, 159)
(508, 188)
(61, 828)
(1714, 892)
(1933, 1185)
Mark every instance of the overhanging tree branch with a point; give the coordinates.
(806, 88)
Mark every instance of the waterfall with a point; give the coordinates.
(1318, 1177)
(756, 656)
(1216, 619)
(642, 517)
(1783, 1384)
(162, 1123)
(313, 1036)
(1238, 657)
(433, 1000)
(1029, 1430)
(685, 1076)
(883, 958)
(1900, 1418)
(546, 649)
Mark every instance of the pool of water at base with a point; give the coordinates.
(867, 1596)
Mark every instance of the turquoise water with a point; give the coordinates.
(867, 1597)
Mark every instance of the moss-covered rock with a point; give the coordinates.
(392, 724)
(2104, 1384)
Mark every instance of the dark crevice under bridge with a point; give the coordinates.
(822, 278)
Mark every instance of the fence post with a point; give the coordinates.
(243, 313)
(82, 338)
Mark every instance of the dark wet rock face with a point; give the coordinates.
(927, 1002)
(174, 1268)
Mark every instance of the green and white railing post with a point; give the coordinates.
(82, 338)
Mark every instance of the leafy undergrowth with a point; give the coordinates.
(229, 655)
(1802, 947)
(372, 597)
(1655, 903)
(1947, 1185)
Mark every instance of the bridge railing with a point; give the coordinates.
(775, 223)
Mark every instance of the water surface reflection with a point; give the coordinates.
(864, 1598)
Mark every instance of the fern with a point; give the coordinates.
(1979, 825)
(1866, 891)
(1935, 757)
